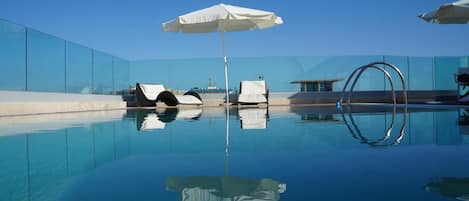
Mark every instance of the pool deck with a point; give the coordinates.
(26, 103)
(13, 103)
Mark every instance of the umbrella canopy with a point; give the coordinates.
(222, 18)
(451, 13)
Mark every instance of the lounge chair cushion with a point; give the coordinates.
(188, 100)
(252, 98)
(253, 87)
(253, 92)
(151, 91)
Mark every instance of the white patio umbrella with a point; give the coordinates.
(451, 13)
(222, 18)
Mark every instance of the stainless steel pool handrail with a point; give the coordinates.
(355, 131)
(360, 71)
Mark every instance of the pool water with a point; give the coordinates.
(276, 153)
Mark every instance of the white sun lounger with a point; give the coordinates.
(188, 100)
(253, 118)
(148, 94)
(252, 92)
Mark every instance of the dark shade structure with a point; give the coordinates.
(316, 85)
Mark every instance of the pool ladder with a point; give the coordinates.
(374, 65)
(354, 130)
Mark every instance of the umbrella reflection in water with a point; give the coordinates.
(211, 188)
(457, 188)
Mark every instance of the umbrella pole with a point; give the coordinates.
(227, 134)
(226, 68)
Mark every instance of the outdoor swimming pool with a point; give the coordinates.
(279, 153)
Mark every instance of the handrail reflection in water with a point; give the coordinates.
(356, 133)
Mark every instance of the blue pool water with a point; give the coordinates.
(279, 153)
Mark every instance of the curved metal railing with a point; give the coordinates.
(374, 65)
(353, 128)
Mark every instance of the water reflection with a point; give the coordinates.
(463, 121)
(318, 117)
(384, 140)
(212, 188)
(456, 188)
(157, 119)
(38, 165)
(253, 118)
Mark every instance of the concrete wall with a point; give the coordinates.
(23, 103)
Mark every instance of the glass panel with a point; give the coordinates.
(79, 68)
(102, 73)
(179, 73)
(277, 71)
(12, 56)
(121, 76)
(402, 64)
(464, 62)
(46, 62)
(326, 86)
(311, 87)
(445, 69)
(421, 73)
(303, 87)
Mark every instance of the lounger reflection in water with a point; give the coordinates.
(157, 119)
(212, 188)
(253, 118)
(148, 95)
(457, 188)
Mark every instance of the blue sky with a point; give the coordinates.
(132, 29)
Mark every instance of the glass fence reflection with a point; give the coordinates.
(55, 148)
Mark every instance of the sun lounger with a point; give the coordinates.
(253, 118)
(253, 92)
(148, 94)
